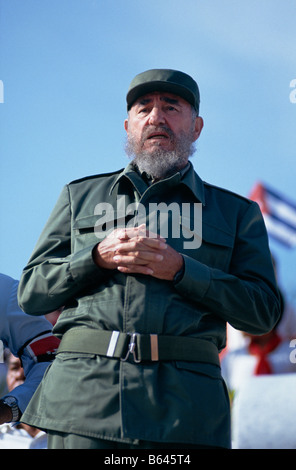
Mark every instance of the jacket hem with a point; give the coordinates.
(51, 425)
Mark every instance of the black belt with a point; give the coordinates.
(143, 347)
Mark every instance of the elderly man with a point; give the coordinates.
(147, 293)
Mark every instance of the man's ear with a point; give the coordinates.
(126, 125)
(198, 126)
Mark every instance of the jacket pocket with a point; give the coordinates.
(92, 229)
(84, 233)
(216, 247)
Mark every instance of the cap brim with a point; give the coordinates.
(143, 89)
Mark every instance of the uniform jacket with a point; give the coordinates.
(27, 337)
(228, 278)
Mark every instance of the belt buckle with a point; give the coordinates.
(132, 349)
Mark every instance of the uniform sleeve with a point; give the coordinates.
(247, 296)
(55, 273)
(27, 337)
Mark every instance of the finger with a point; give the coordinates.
(135, 269)
(147, 233)
(156, 243)
(122, 234)
(139, 258)
(140, 244)
(142, 230)
(130, 232)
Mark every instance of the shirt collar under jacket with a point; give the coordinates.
(187, 176)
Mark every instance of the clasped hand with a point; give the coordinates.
(135, 250)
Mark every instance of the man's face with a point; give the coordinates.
(15, 374)
(162, 126)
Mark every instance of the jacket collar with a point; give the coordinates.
(187, 176)
(195, 184)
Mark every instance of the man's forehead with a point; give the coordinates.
(171, 98)
(13, 360)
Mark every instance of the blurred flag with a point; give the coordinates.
(279, 214)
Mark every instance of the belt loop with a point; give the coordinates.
(154, 347)
(112, 343)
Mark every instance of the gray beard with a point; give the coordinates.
(161, 163)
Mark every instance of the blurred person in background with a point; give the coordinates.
(30, 339)
(18, 435)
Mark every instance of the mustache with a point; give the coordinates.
(151, 130)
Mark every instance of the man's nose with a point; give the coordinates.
(19, 374)
(156, 116)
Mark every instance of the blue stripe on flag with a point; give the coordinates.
(280, 208)
(279, 214)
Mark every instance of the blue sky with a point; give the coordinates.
(66, 65)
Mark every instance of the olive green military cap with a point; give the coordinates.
(171, 81)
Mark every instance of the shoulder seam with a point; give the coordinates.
(228, 191)
(100, 175)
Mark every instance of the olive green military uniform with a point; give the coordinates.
(229, 278)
